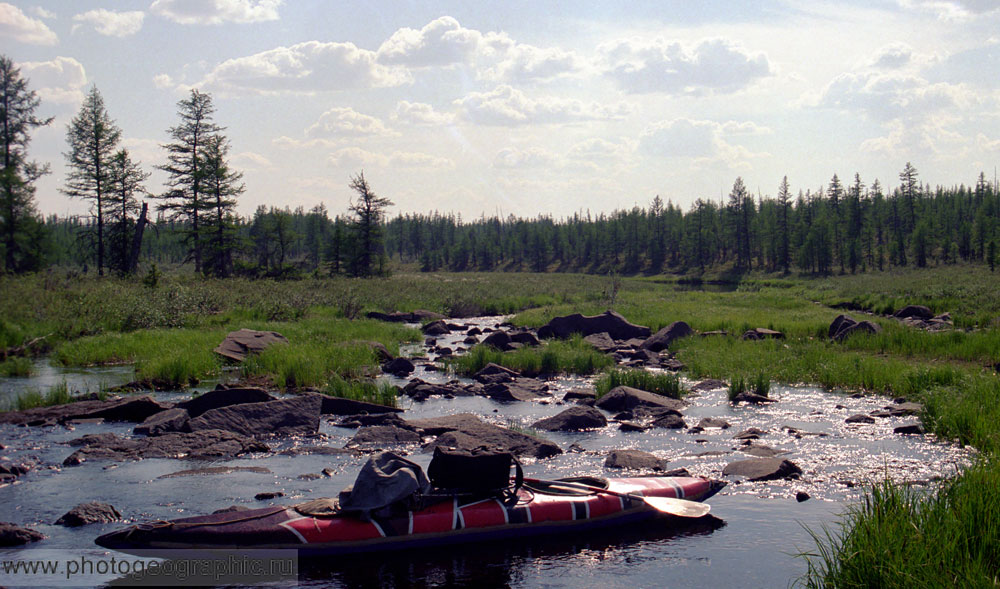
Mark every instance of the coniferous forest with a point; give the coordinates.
(848, 225)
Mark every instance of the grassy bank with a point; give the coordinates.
(571, 356)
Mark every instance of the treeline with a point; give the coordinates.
(833, 228)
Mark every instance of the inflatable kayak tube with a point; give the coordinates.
(536, 512)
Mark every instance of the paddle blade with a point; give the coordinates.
(678, 507)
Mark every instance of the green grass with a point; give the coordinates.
(571, 356)
(380, 393)
(56, 395)
(661, 383)
(903, 537)
(17, 367)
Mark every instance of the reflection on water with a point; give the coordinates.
(45, 375)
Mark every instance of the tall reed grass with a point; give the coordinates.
(661, 383)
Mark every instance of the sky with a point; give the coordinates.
(526, 107)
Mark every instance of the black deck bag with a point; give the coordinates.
(476, 472)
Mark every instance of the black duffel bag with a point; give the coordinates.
(476, 472)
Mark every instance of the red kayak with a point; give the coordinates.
(540, 509)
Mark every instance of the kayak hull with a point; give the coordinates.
(448, 522)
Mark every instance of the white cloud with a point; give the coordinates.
(111, 23)
(511, 158)
(286, 142)
(60, 80)
(346, 122)
(507, 106)
(162, 81)
(250, 160)
(442, 42)
(953, 10)
(523, 63)
(889, 96)
(702, 141)
(43, 13)
(214, 12)
(712, 65)
(421, 114)
(16, 25)
(355, 157)
(304, 68)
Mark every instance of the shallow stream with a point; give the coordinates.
(762, 525)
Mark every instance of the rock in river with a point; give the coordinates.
(202, 444)
(634, 460)
(89, 513)
(763, 469)
(468, 432)
(223, 398)
(661, 339)
(576, 418)
(624, 398)
(15, 535)
(286, 417)
(135, 409)
(616, 326)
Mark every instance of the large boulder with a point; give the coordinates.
(843, 326)
(223, 398)
(171, 420)
(625, 398)
(436, 328)
(207, 444)
(499, 340)
(398, 367)
(15, 535)
(240, 344)
(616, 326)
(914, 311)
(576, 418)
(525, 338)
(286, 417)
(661, 339)
(763, 469)
(134, 409)
(89, 513)
(468, 432)
(634, 460)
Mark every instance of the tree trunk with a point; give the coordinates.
(140, 226)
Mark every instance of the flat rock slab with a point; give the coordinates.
(713, 422)
(383, 435)
(134, 409)
(634, 460)
(89, 513)
(615, 325)
(212, 470)
(15, 535)
(286, 417)
(762, 451)
(240, 344)
(520, 389)
(204, 444)
(759, 333)
(860, 418)
(763, 469)
(223, 398)
(577, 418)
(624, 398)
(468, 432)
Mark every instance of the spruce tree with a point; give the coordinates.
(125, 181)
(93, 140)
(221, 186)
(368, 209)
(21, 231)
(185, 197)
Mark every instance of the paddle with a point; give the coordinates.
(668, 505)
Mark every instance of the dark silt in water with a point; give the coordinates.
(760, 527)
